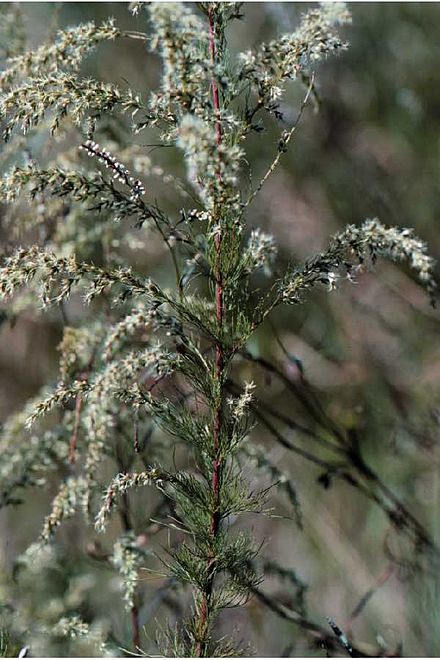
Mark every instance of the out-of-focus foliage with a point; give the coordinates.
(363, 359)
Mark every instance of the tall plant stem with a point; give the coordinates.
(206, 607)
(126, 521)
(135, 632)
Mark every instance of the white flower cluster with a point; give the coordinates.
(197, 215)
(240, 404)
(66, 52)
(114, 381)
(135, 7)
(138, 318)
(72, 627)
(75, 628)
(350, 248)
(286, 57)
(120, 172)
(400, 244)
(180, 37)
(261, 250)
(68, 97)
(65, 504)
(121, 484)
(61, 395)
(126, 558)
(212, 168)
(76, 349)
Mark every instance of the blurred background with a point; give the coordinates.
(370, 350)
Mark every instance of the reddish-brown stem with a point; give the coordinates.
(201, 646)
(135, 633)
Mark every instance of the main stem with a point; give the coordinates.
(205, 608)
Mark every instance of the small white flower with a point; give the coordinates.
(332, 279)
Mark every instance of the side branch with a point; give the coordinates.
(283, 143)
